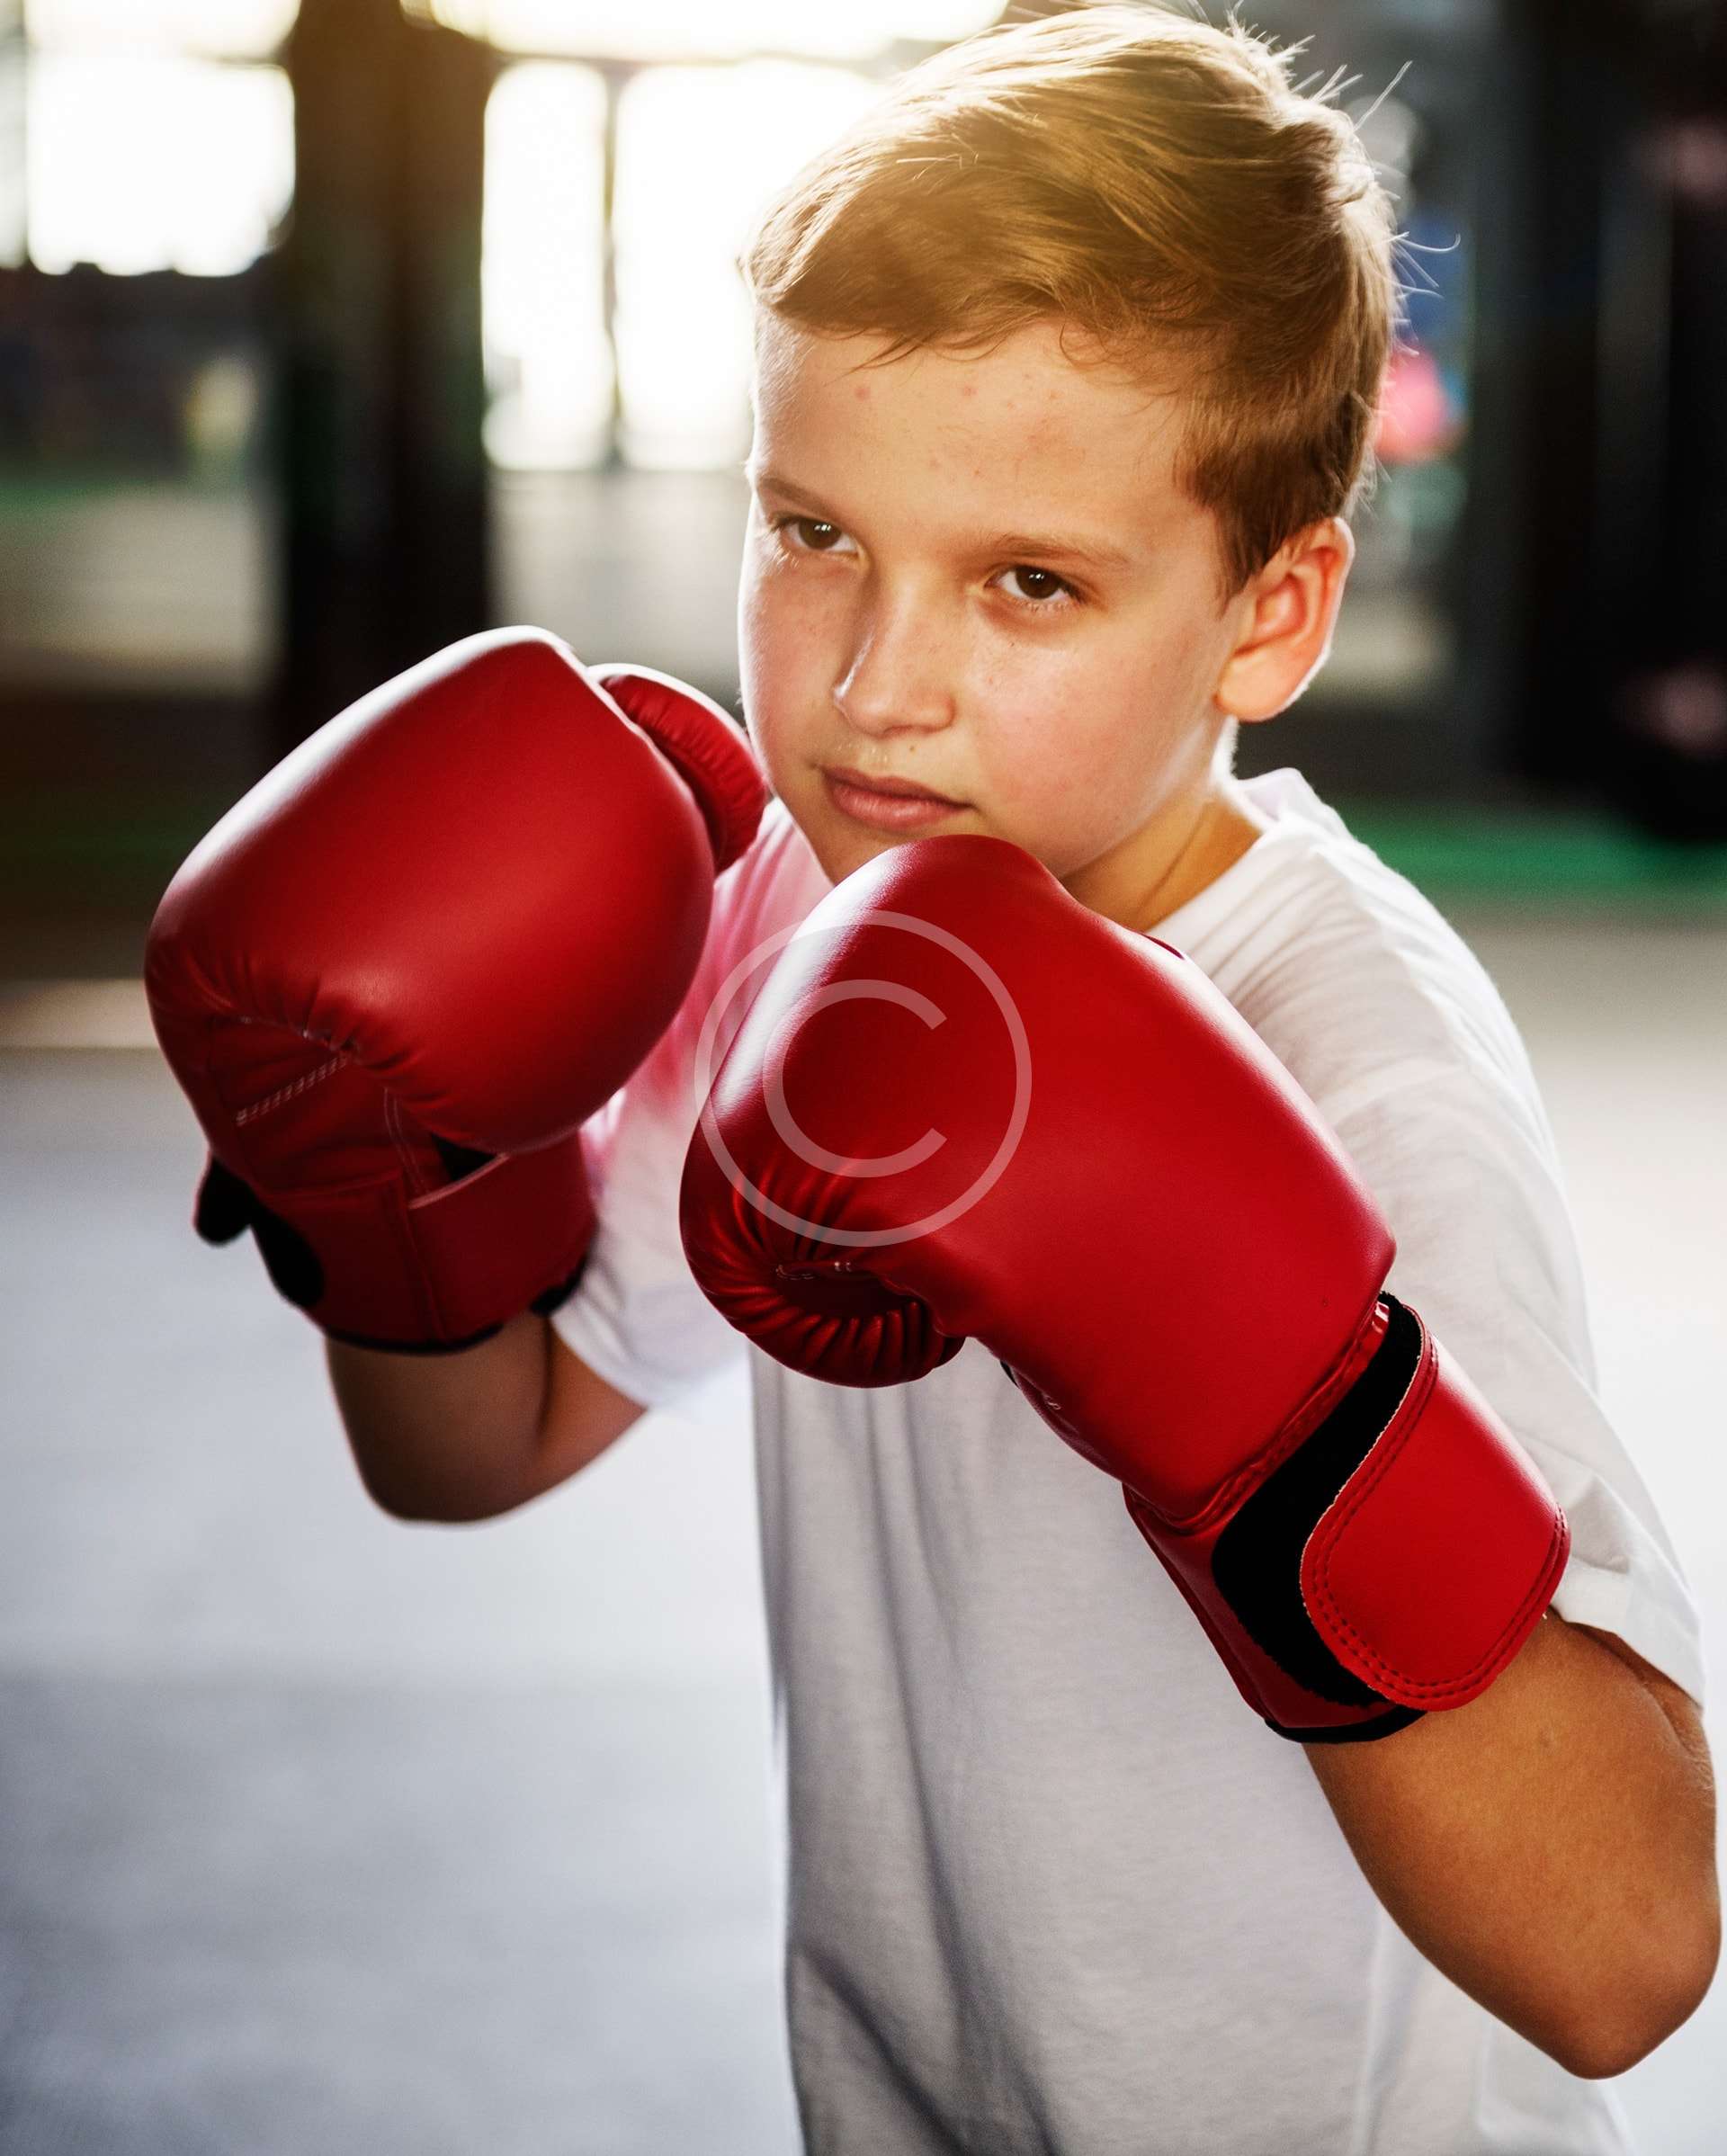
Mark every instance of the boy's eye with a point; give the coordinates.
(1038, 586)
(1041, 591)
(812, 534)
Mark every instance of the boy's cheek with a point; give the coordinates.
(781, 652)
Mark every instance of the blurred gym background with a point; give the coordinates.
(331, 333)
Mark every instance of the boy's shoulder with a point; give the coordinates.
(1352, 977)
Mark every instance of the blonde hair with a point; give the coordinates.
(1156, 182)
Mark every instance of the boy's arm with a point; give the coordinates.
(1550, 1845)
(463, 1437)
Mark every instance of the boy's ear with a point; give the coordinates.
(1285, 618)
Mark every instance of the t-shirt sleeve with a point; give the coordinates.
(638, 1318)
(1465, 1168)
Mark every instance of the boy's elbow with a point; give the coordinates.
(1618, 2045)
(413, 1507)
(1640, 2019)
(405, 1511)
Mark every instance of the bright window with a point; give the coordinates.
(684, 30)
(542, 288)
(683, 320)
(11, 152)
(137, 162)
(242, 30)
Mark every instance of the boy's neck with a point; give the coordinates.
(1214, 835)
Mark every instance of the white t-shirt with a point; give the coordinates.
(1050, 1885)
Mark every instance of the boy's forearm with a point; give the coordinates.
(1550, 1846)
(448, 1437)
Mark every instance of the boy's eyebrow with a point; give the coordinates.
(1032, 546)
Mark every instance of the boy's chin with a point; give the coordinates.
(841, 853)
(841, 846)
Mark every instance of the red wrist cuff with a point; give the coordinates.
(1392, 1564)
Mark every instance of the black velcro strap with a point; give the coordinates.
(1352, 1732)
(1257, 1561)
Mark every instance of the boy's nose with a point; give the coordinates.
(901, 675)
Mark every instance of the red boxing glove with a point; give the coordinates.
(964, 1107)
(400, 973)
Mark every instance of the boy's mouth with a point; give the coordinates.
(887, 804)
(861, 782)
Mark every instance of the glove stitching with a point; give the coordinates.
(287, 1093)
(1295, 1433)
(1385, 1456)
(1491, 1661)
(406, 1154)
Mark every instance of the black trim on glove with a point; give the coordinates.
(227, 1207)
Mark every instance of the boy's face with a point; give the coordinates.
(975, 573)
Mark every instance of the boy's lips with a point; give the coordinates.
(907, 809)
(897, 789)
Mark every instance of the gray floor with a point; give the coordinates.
(321, 1833)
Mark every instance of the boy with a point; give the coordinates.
(1066, 366)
